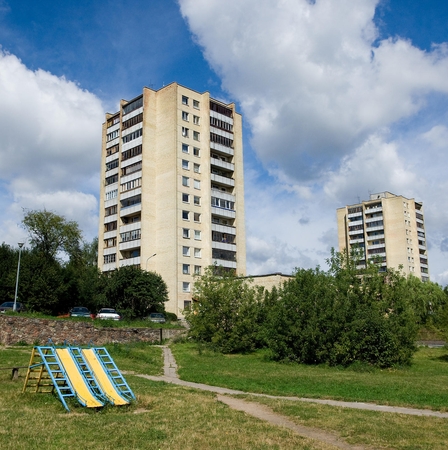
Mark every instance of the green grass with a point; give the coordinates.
(423, 385)
(163, 417)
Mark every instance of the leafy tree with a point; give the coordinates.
(8, 272)
(51, 233)
(133, 291)
(226, 312)
(343, 316)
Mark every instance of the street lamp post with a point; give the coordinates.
(146, 267)
(14, 308)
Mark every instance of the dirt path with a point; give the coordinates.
(264, 413)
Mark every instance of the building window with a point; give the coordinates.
(185, 198)
(186, 233)
(184, 116)
(195, 151)
(185, 215)
(197, 200)
(113, 121)
(111, 226)
(138, 103)
(185, 164)
(196, 168)
(186, 251)
(131, 168)
(112, 179)
(110, 258)
(112, 165)
(196, 120)
(112, 242)
(197, 270)
(185, 132)
(110, 211)
(133, 184)
(186, 269)
(197, 252)
(185, 286)
(134, 151)
(113, 135)
(196, 135)
(185, 148)
(185, 181)
(112, 150)
(133, 121)
(130, 235)
(197, 235)
(131, 136)
(195, 104)
(187, 305)
(184, 100)
(112, 194)
(197, 184)
(197, 217)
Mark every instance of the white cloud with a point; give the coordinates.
(50, 147)
(332, 109)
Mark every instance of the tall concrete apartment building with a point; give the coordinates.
(389, 227)
(172, 188)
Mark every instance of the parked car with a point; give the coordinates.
(80, 311)
(108, 313)
(8, 306)
(157, 318)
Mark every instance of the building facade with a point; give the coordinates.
(172, 188)
(388, 228)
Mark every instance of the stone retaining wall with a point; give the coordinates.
(15, 329)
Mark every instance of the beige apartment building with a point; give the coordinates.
(389, 228)
(172, 188)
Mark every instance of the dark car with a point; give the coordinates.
(80, 311)
(8, 306)
(157, 318)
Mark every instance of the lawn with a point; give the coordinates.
(422, 385)
(173, 417)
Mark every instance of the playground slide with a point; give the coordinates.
(77, 379)
(103, 378)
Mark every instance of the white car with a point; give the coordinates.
(108, 313)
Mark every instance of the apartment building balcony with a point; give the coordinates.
(374, 246)
(130, 193)
(221, 212)
(375, 209)
(373, 256)
(223, 228)
(129, 210)
(373, 219)
(355, 222)
(223, 246)
(109, 267)
(130, 227)
(224, 263)
(130, 261)
(222, 117)
(223, 180)
(111, 218)
(136, 243)
(109, 251)
(130, 161)
(112, 157)
(222, 148)
(223, 164)
(223, 195)
(420, 227)
(377, 228)
(424, 264)
(110, 234)
(355, 232)
(356, 241)
(375, 237)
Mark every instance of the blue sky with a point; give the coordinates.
(340, 99)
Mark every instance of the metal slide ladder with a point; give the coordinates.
(113, 373)
(46, 374)
(88, 375)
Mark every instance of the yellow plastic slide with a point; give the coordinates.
(103, 379)
(76, 378)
